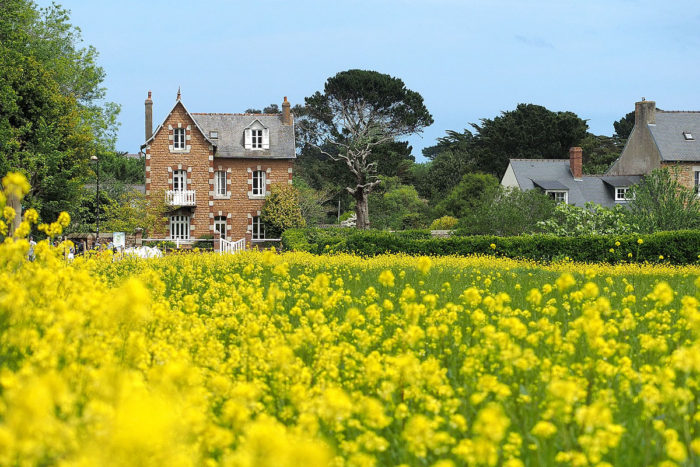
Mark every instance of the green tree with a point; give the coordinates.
(314, 204)
(660, 202)
(397, 206)
(358, 112)
(528, 132)
(623, 127)
(281, 210)
(52, 117)
(467, 194)
(599, 152)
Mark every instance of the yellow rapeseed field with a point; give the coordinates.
(265, 359)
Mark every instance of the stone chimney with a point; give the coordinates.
(576, 162)
(286, 113)
(644, 112)
(149, 117)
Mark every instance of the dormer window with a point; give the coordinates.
(559, 196)
(621, 193)
(688, 136)
(257, 137)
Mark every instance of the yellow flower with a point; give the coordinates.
(386, 278)
(544, 429)
(640, 241)
(493, 246)
(424, 264)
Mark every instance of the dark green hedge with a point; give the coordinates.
(680, 247)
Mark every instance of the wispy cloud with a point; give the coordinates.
(534, 41)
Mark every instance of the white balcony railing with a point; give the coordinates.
(232, 247)
(180, 198)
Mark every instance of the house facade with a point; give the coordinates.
(658, 139)
(214, 171)
(662, 139)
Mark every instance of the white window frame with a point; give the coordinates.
(220, 188)
(179, 139)
(625, 189)
(258, 232)
(557, 198)
(256, 138)
(221, 226)
(179, 180)
(179, 227)
(260, 188)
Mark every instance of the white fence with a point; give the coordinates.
(232, 247)
(180, 198)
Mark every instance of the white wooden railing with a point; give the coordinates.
(180, 198)
(232, 247)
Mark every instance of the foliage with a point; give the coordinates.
(396, 206)
(270, 109)
(281, 210)
(623, 127)
(128, 213)
(314, 204)
(116, 166)
(569, 220)
(444, 223)
(599, 152)
(358, 112)
(660, 202)
(52, 113)
(680, 247)
(507, 212)
(473, 190)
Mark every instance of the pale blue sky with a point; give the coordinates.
(468, 59)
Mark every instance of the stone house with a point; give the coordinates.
(215, 170)
(662, 139)
(658, 139)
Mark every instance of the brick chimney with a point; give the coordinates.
(576, 162)
(286, 113)
(644, 112)
(149, 117)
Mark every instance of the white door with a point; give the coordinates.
(179, 180)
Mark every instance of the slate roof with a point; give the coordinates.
(668, 135)
(534, 173)
(230, 142)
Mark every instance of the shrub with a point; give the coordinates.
(444, 223)
(281, 209)
(569, 220)
(680, 247)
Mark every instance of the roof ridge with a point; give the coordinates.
(679, 111)
(237, 114)
(542, 160)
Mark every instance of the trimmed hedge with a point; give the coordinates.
(679, 247)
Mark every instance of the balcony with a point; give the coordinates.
(181, 198)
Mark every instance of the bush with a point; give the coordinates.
(569, 220)
(680, 247)
(395, 206)
(205, 242)
(444, 223)
(281, 210)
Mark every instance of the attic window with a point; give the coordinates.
(688, 136)
(214, 134)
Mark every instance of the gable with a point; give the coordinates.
(167, 117)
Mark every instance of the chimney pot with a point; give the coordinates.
(576, 162)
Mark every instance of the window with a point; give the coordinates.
(621, 193)
(213, 134)
(688, 136)
(179, 138)
(559, 196)
(180, 227)
(258, 228)
(220, 183)
(258, 183)
(696, 175)
(179, 180)
(220, 226)
(257, 139)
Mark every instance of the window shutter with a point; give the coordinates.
(248, 139)
(266, 138)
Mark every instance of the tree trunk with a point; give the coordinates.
(361, 209)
